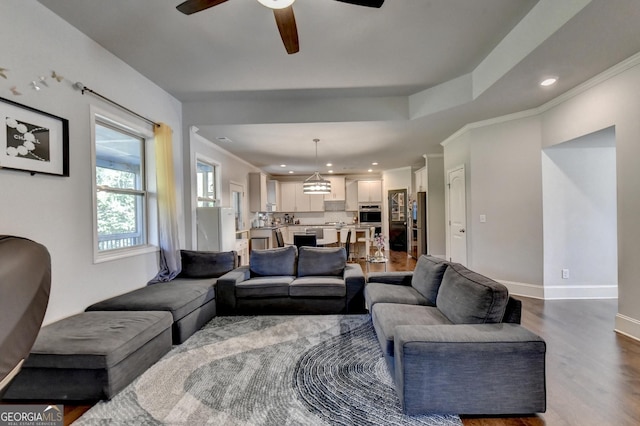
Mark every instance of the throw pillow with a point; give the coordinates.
(427, 276)
(273, 262)
(466, 297)
(207, 264)
(318, 261)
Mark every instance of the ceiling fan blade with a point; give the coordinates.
(193, 6)
(367, 3)
(287, 26)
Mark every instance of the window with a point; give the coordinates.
(207, 184)
(121, 193)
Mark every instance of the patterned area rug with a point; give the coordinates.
(267, 370)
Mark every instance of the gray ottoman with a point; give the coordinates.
(92, 355)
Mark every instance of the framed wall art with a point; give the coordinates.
(33, 141)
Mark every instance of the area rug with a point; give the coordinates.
(267, 370)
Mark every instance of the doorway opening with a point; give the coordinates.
(580, 217)
(398, 219)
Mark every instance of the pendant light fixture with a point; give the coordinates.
(315, 184)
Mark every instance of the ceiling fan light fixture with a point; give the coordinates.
(276, 4)
(316, 184)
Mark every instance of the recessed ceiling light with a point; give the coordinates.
(549, 81)
(370, 170)
(224, 139)
(329, 164)
(283, 165)
(290, 172)
(330, 171)
(374, 164)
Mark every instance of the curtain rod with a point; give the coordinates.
(83, 88)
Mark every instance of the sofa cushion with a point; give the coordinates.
(466, 297)
(386, 316)
(273, 262)
(180, 296)
(318, 286)
(427, 277)
(95, 339)
(273, 286)
(392, 293)
(206, 264)
(321, 261)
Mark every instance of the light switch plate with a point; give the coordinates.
(483, 218)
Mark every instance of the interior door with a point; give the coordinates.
(457, 216)
(398, 219)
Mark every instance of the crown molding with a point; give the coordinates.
(617, 69)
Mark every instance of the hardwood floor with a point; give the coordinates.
(593, 373)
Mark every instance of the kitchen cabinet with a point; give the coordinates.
(288, 197)
(257, 192)
(420, 178)
(293, 199)
(337, 188)
(273, 196)
(369, 191)
(351, 195)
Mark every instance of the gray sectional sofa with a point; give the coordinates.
(95, 354)
(190, 297)
(453, 344)
(288, 280)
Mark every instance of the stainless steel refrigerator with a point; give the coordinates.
(216, 228)
(419, 219)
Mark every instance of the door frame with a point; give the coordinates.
(447, 206)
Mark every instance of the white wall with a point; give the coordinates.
(57, 211)
(435, 207)
(233, 169)
(507, 189)
(580, 227)
(610, 100)
(457, 152)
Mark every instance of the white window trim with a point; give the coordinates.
(123, 123)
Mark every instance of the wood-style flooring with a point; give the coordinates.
(593, 373)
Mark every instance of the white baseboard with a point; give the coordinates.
(561, 292)
(581, 292)
(628, 326)
(523, 289)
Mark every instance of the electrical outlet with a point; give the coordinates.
(483, 218)
(565, 274)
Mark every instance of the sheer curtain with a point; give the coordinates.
(167, 206)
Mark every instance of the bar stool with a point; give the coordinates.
(348, 239)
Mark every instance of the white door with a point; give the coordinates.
(457, 216)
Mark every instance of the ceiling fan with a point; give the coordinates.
(282, 10)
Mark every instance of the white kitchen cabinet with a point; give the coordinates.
(369, 191)
(293, 199)
(257, 192)
(337, 188)
(351, 195)
(420, 178)
(273, 196)
(288, 197)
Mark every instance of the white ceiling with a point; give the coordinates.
(385, 85)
